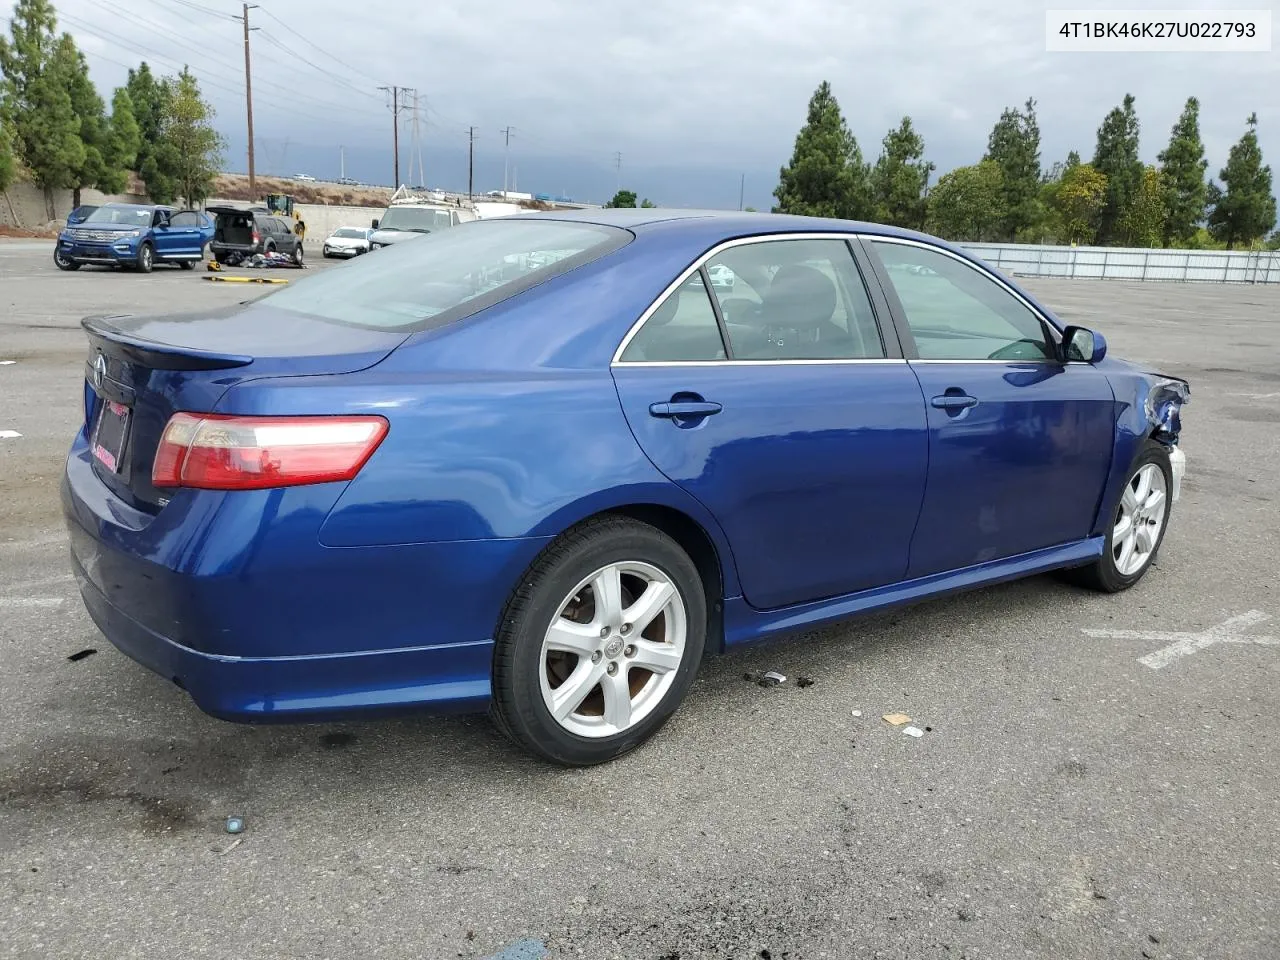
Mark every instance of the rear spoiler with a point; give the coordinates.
(161, 356)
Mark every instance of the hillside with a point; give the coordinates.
(235, 186)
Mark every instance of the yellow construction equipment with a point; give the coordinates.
(286, 206)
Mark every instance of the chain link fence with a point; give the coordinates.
(1122, 263)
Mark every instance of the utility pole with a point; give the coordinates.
(742, 186)
(506, 157)
(248, 89)
(417, 145)
(342, 163)
(396, 107)
(617, 159)
(471, 162)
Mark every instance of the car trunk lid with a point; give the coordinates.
(141, 370)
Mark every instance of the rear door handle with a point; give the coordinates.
(952, 401)
(684, 408)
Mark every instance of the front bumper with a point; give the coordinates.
(1178, 468)
(121, 251)
(341, 251)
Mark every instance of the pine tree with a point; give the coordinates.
(1014, 146)
(1183, 164)
(123, 141)
(1246, 210)
(826, 176)
(1116, 158)
(968, 203)
(8, 162)
(899, 178)
(37, 105)
(150, 99)
(70, 66)
(196, 144)
(1143, 223)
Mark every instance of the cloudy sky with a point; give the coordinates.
(693, 93)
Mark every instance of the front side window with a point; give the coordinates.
(956, 312)
(794, 300)
(443, 276)
(185, 219)
(682, 329)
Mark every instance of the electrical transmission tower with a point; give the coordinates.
(397, 106)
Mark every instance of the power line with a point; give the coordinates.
(318, 47)
(328, 73)
(213, 13)
(396, 108)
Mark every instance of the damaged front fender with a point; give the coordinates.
(1163, 406)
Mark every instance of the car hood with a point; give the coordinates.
(391, 236)
(104, 227)
(345, 242)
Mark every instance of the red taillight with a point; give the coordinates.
(218, 452)
(257, 237)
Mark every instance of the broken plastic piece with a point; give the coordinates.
(897, 719)
(913, 732)
(772, 679)
(857, 713)
(804, 682)
(235, 824)
(81, 654)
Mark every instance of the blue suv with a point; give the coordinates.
(135, 235)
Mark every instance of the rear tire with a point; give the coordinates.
(1137, 525)
(613, 712)
(186, 264)
(297, 254)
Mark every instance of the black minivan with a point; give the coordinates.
(239, 234)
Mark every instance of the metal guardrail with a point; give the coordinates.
(1127, 263)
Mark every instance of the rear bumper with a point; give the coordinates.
(280, 689)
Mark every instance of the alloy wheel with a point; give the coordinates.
(613, 650)
(1139, 520)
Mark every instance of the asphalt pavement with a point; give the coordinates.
(1067, 799)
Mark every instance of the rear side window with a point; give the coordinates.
(682, 329)
(443, 276)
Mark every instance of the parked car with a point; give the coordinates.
(240, 233)
(80, 213)
(405, 220)
(524, 465)
(348, 182)
(135, 236)
(347, 242)
(307, 178)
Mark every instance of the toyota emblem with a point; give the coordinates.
(99, 371)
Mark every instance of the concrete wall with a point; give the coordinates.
(23, 205)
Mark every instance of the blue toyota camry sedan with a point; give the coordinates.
(542, 465)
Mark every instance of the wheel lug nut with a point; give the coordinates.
(604, 631)
(630, 650)
(626, 628)
(612, 668)
(595, 657)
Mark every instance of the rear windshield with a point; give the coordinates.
(441, 277)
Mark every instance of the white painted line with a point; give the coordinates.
(30, 601)
(5, 363)
(1258, 396)
(1184, 644)
(9, 434)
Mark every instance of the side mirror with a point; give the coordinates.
(375, 224)
(1082, 344)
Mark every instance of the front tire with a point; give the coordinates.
(1137, 528)
(186, 264)
(599, 644)
(297, 254)
(63, 263)
(146, 258)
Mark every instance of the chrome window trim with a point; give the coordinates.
(693, 268)
(979, 269)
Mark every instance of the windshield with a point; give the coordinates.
(417, 219)
(349, 232)
(442, 275)
(125, 216)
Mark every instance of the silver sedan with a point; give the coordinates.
(347, 242)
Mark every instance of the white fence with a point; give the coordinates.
(1122, 263)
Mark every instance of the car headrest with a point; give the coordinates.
(666, 310)
(800, 296)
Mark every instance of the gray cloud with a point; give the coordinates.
(712, 85)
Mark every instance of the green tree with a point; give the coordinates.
(968, 203)
(72, 70)
(8, 162)
(1014, 146)
(1143, 223)
(1079, 201)
(150, 98)
(1116, 158)
(37, 106)
(648, 204)
(196, 145)
(1183, 164)
(826, 176)
(623, 198)
(899, 178)
(1246, 210)
(1073, 159)
(123, 142)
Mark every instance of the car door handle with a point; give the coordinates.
(684, 408)
(953, 401)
